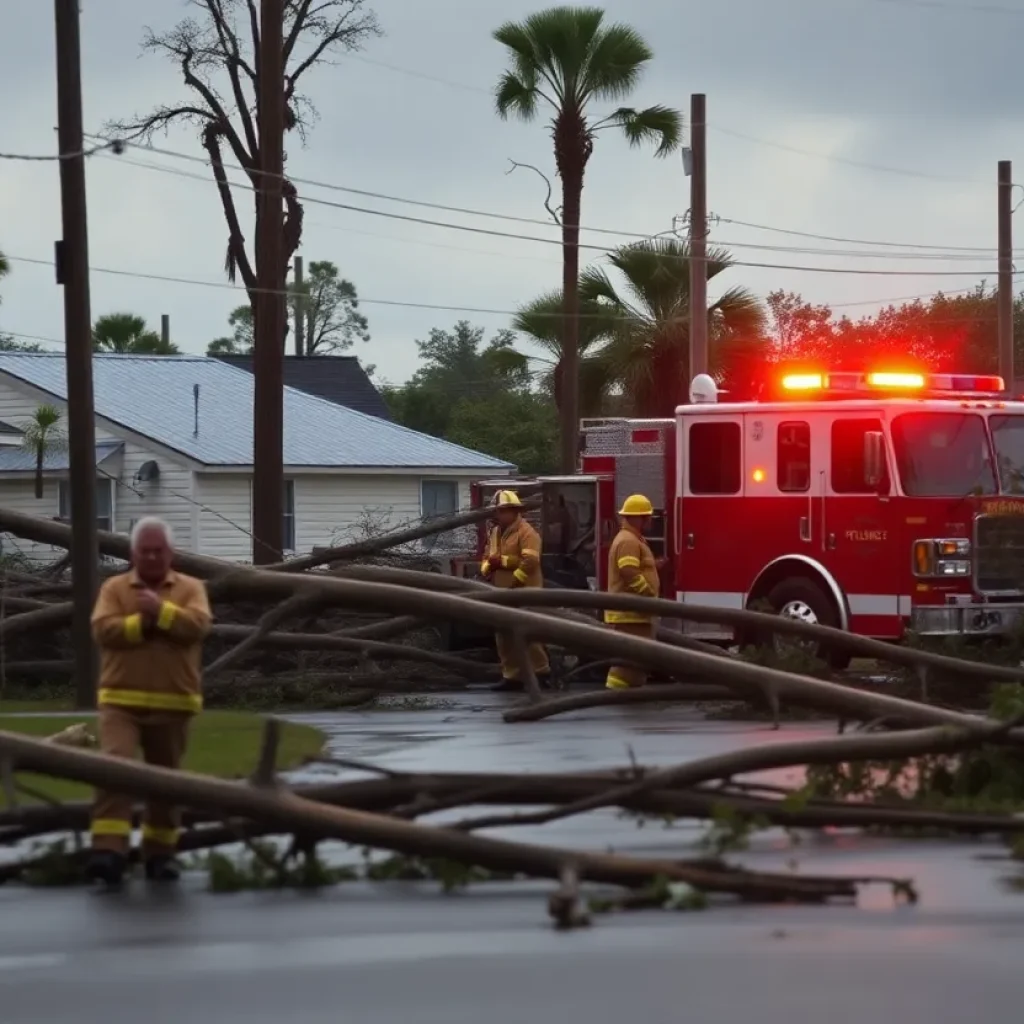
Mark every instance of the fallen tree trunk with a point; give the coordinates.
(288, 812)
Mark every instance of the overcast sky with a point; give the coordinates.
(869, 119)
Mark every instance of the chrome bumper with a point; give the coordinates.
(966, 620)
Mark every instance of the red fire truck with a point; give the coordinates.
(878, 502)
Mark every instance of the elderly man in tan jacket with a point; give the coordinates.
(149, 623)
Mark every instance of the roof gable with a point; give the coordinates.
(338, 379)
(156, 396)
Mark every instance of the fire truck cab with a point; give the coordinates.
(880, 503)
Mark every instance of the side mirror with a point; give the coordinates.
(874, 458)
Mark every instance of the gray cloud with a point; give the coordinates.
(822, 85)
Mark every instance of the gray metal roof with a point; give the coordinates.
(153, 396)
(18, 460)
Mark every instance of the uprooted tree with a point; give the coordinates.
(915, 756)
(216, 53)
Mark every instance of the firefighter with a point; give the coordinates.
(632, 569)
(513, 560)
(149, 624)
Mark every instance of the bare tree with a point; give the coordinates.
(217, 54)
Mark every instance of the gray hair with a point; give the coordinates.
(151, 523)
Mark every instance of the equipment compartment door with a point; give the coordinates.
(858, 543)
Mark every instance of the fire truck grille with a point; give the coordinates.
(999, 554)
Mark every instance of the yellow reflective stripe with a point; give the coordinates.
(628, 562)
(161, 836)
(620, 617)
(530, 553)
(110, 827)
(133, 628)
(614, 682)
(168, 613)
(639, 585)
(152, 701)
(485, 565)
(504, 561)
(520, 575)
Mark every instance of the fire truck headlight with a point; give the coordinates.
(924, 557)
(942, 557)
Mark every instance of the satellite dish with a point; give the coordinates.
(148, 471)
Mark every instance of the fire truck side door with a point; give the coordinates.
(712, 521)
(855, 536)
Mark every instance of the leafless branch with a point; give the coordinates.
(556, 214)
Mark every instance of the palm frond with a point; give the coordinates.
(515, 98)
(616, 63)
(657, 124)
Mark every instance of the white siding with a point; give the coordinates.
(224, 516)
(329, 509)
(167, 497)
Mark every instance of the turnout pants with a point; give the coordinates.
(162, 737)
(625, 677)
(509, 668)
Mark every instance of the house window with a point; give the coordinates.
(438, 498)
(715, 451)
(793, 457)
(848, 476)
(288, 520)
(104, 502)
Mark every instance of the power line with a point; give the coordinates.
(905, 172)
(111, 144)
(855, 241)
(334, 187)
(606, 249)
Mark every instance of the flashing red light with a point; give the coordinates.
(896, 380)
(804, 382)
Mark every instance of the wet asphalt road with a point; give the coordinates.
(405, 952)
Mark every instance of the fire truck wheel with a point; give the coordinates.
(805, 601)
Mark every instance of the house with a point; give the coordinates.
(338, 379)
(174, 439)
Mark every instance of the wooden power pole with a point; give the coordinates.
(300, 310)
(72, 263)
(1005, 294)
(698, 237)
(271, 313)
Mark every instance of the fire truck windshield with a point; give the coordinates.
(1008, 438)
(946, 454)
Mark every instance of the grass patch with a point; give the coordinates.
(224, 744)
(14, 707)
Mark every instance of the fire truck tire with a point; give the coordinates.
(803, 599)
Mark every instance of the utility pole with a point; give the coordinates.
(72, 264)
(165, 329)
(300, 310)
(271, 299)
(698, 237)
(1005, 295)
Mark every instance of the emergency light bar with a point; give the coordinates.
(951, 383)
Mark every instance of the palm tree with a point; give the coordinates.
(649, 348)
(41, 436)
(127, 334)
(564, 58)
(5, 267)
(541, 321)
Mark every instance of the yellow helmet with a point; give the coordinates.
(636, 505)
(506, 499)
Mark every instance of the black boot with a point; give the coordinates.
(162, 868)
(106, 868)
